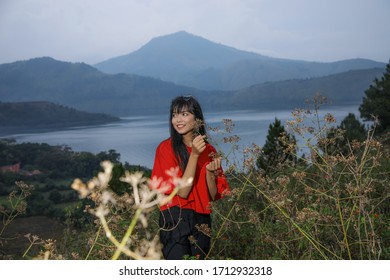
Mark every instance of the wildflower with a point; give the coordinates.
(101, 181)
(214, 129)
(356, 144)
(197, 126)
(231, 139)
(75, 256)
(229, 125)
(307, 214)
(253, 217)
(32, 238)
(329, 118)
(173, 172)
(311, 129)
(279, 197)
(192, 239)
(155, 183)
(204, 228)
(134, 179)
(248, 163)
(105, 177)
(148, 249)
(299, 175)
(101, 211)
(283, 180)
(107, 197)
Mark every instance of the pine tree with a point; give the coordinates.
(376, 103)
(354, 129)
(350, 129)
(274, 151)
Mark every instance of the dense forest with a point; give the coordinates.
(51, 170)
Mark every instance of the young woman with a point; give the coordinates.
(185, 220)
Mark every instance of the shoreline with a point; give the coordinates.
(11, 131)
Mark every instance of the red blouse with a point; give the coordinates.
(199, 197)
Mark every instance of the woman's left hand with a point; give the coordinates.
(214, 165)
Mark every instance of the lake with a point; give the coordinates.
(136, 138)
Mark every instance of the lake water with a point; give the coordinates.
(136, 138)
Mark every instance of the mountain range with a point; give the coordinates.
(85, 87)
(193, 61)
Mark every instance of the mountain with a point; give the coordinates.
(45, 115)
(83, 87)
(193, 61)
(167, 57)
(345, 88)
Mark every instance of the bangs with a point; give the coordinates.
(182, 106)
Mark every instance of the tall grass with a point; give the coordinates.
(16, 205)
(329, 204)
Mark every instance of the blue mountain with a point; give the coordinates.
(190, 60)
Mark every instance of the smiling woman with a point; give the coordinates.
(190, 159)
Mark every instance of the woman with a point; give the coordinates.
(185, 220)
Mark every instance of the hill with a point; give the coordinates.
(341, 89)
(193, 61)
(83, 87)
(24, 115)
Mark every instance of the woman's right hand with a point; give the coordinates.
(198, 144)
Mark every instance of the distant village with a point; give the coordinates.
(15, 168)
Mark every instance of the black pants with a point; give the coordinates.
(180, 236)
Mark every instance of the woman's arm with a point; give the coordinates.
(211, 169)
(198, 146)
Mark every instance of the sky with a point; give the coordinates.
(92, 31)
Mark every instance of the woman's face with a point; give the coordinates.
(183, 122)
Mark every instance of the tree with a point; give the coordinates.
(279, 147)
(354, 129)
(350, 129)
(116, 184)
(112, 155)
(376, 103)
(55, 196)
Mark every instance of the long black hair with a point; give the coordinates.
(178, 105)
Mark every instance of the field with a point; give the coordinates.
(14, 241)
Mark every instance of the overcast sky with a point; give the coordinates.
(94, 30)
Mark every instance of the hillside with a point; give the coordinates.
(46, 115)
(83, 87)
(341, 89)
(193, 61)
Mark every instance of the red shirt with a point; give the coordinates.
(199, 197)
